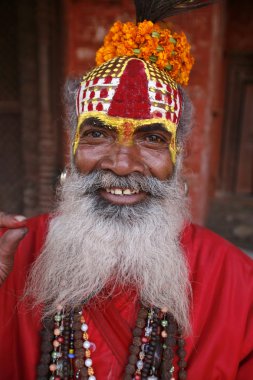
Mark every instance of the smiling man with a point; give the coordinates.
(123, 185)
(122, 285)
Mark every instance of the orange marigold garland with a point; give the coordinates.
(146, 40)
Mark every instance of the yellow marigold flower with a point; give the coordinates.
(146, 40)
(124, 50)
(116, 27)
(165, 37)
(162, 59)
(145, 27)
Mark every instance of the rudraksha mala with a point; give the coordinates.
(154, 348)
(65, 353)
(157, 347)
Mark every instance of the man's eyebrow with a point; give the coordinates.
(152, 128)
(95, 122)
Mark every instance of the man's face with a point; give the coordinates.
(145, 152)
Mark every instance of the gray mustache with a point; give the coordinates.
(101, 179)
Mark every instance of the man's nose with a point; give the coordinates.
(124, 160)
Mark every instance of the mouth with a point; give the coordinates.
(122, 196)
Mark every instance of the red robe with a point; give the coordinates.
(219, 348)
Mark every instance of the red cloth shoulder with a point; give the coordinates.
(221, 343)
(19, 327)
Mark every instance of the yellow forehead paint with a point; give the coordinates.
(126, 128)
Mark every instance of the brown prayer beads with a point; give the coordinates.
(157, 341)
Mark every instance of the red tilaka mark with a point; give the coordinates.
(175, 93)
(90, 107)
(108, 80)
(157, 114)
(131, 99)
(158, 96)
(168, 116)
(168, 99)
(172, 116)
(99, 107)
(104, 93)
(168, 87)
(128, 130)
(126, 133)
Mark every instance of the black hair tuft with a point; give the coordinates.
(158, 10)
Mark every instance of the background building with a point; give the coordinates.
(44, 42)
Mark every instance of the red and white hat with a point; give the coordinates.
(128, 87)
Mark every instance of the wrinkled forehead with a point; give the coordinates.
(129, 88)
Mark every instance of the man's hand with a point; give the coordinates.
(16, 230)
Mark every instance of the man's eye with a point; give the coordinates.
(155, 139)
(95, 134)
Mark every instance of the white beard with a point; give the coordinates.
(91, 242)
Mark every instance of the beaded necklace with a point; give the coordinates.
(157, 343)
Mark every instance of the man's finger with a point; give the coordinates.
(12, 221)
(8, 245)
(9, 242)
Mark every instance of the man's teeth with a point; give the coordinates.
(118, 191)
